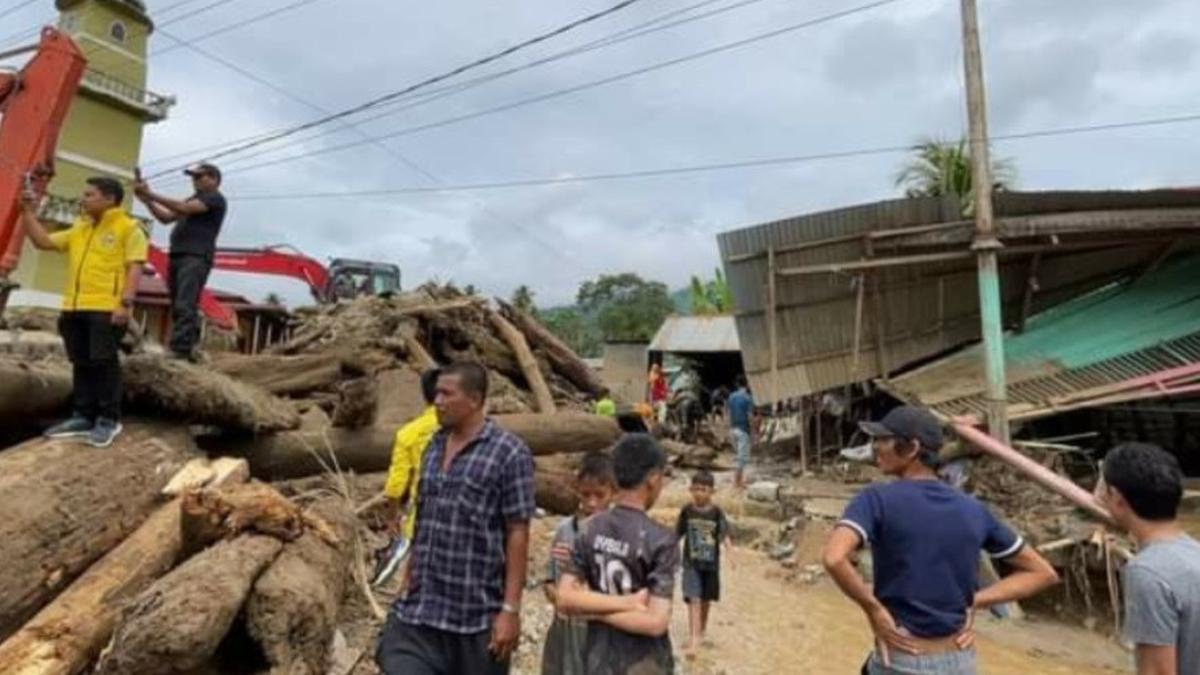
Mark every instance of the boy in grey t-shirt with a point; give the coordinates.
(623, 571)
(566, 641)
(1142, 487)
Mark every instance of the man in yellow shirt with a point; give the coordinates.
(405, 471)
(106, 249)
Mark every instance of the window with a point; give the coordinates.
(117, 32)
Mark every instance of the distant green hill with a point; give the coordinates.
(683, 301)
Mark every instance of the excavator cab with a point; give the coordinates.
(349, 279)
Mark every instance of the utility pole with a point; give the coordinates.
(986, 244)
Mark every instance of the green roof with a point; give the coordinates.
(1113, 321)
(1135, 327)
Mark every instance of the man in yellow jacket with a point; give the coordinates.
(106, 249)
(405, 471)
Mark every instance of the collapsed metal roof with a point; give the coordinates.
(1131, 340)
(696, 335)
(864, 291)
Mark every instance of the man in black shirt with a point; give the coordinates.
(197, 222)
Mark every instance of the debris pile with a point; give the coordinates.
(158, 562)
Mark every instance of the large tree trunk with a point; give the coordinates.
(529, 365)
(564, 360)
(63, 505)
(556, 491)
(178, 623)
(31, 390)
(201, 395)
(282, 375)
(563, 432)
(296, 454)
(293, 610)
(69, 632)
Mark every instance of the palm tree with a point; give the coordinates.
(712, 297)
(522, 299)
(940, 168)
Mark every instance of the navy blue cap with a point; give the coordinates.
(909, 423)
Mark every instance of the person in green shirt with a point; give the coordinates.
(605, 405)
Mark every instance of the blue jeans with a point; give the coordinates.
(950, 663)
(741, 447)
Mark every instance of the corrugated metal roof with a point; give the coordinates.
(1125, 331)
(1084, 241)
(696, 334)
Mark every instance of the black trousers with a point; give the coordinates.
(186, 279)
(405, 649)
(93, 343)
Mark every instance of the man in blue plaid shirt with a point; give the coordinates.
(460, 614)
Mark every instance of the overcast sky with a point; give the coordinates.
(883, 77)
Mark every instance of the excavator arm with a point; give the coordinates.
(33, 105)
(273, 260)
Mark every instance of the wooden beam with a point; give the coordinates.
(1031, 285)
(772, 325)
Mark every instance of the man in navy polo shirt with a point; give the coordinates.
(925, 539)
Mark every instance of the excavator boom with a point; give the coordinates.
(33, 105)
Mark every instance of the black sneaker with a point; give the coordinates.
(104, 433)
(77, 426)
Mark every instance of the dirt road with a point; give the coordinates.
(772, 622)
(769, 625)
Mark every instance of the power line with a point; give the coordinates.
(428, 81)
(646, 28)
(294, 97)
(448, 90)
(229, 27)
(351, 127)
(194, 12)
(558, 93)
(723, 166)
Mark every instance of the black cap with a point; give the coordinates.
(910, 423)
(204, 168)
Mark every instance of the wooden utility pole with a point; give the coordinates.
(986, 244)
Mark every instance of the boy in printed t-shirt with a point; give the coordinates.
(704, 529)
(623, 571)
(565, 642)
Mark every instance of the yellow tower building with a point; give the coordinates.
(102, 134)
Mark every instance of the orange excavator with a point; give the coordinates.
(344, 279)
(33, 104)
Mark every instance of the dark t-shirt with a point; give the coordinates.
(702, 530)
(620, 552)
(197, 235)
(925, 539)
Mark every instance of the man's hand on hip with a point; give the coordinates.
(506, 633)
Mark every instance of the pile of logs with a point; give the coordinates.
(144, 557)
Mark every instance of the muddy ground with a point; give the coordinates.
(775, 619)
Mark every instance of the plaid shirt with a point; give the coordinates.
(457, 568)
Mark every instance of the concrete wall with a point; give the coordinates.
(625, 371)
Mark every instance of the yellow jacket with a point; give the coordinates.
(98, 254)
(409, 449)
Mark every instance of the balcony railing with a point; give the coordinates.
(152, 103)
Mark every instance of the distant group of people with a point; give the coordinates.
(612, 568)
(106, 250)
